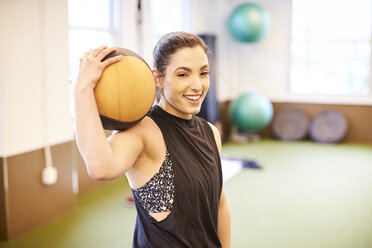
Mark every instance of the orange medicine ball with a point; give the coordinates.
(125, 91)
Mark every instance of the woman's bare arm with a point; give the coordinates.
(102, 158)
(224, 224)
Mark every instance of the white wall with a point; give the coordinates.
(259, 67)
(35, 95)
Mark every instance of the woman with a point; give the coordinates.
(171, 157)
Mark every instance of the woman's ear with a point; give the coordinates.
(158, 78)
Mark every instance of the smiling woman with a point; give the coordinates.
(194, 71)
(185, 82)
(171, 158)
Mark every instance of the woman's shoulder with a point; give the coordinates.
(142, 129)
(207, 124)
(217, 136)
(148, 132)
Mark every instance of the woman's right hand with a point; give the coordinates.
(92, 66)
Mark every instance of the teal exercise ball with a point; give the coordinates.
(249, 22)
(251, 112)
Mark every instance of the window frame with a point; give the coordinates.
(114, 31)
(353, 99)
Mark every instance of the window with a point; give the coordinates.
(92, 23)
(166, 16)
(331, 47)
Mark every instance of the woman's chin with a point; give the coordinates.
(194, 110)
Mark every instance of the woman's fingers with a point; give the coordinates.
(99, 53)
(94, 53)
(86, 54)
(105, 52)
(112, 60)
(92, 66)
(93, 58)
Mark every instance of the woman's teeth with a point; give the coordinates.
(193, 98)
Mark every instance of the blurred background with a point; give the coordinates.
(289, 78)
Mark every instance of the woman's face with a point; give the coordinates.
(185, 83)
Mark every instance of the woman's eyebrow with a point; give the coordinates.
(189, 69)
(184, 68)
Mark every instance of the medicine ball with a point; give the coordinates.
(125, 92)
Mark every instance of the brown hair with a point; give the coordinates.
(170, 43)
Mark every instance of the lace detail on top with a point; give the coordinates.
(157, 194)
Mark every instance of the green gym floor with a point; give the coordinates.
(306, 195)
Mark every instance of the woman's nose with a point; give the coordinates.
(196, 83)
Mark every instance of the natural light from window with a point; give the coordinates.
(166, 16)
(331, 47)
(89, 29)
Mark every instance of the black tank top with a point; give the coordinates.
(193, 220)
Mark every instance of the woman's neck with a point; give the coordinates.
(166, 106)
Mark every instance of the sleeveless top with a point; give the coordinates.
(193, 220)
(157, 194)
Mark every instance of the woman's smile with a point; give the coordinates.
(185, 83)
(193, 99)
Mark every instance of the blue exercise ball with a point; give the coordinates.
(249, 22)
(251, 112)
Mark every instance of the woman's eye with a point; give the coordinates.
(182, 75)
(206, 73)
